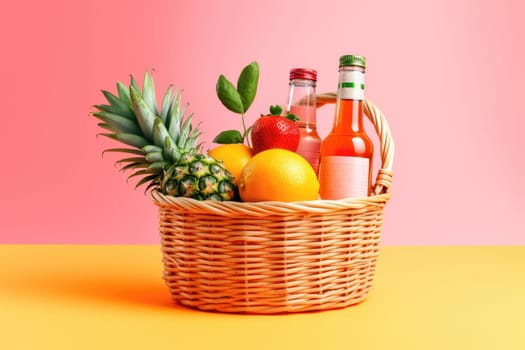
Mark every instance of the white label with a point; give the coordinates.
(343, 177)
(351, 85)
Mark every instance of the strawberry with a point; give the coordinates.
(274, 131)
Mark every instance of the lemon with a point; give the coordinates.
(234, 157)
(278, 175)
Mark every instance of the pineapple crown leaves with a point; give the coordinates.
(156, 138)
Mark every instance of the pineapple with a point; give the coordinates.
(162, 143)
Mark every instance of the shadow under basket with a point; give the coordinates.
(275, 257)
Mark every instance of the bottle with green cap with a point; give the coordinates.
(347, 152)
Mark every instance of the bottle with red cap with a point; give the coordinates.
(302, 103)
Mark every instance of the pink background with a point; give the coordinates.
(447, 74)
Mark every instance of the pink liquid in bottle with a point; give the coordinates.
(310, 142)
(302, 103)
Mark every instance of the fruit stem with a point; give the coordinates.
(244, 133)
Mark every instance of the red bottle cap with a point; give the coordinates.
(303, 73)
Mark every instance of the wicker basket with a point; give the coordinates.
(275, 257)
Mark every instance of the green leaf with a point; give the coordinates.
(292, 117)
(174, 118)
(147, 179)
(276, 110)
(157, 166)
(228, 95)
(141, 173)
(123, 93)
(115, 110)
(247, 84)
(193, 138)
(152, 184)
(129, 139)
(133, 83)
(118, 122)
(167, 102)
(135, 160)
(135, 166)
(228, 136)
(160, 133)
(154, 157)
(107, 127)
(185, 130)
(170, 150)
(173, 108)
(199, 147)
(118, 107)
(148, 93)
(144, 115)
(151, 148)
(124, 150)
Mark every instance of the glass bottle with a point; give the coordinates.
(302, 103)
(346, 153)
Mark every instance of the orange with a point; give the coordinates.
(234, 156)
(278, 175)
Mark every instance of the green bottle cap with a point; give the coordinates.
(352, 60)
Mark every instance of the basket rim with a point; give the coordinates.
(265, 208)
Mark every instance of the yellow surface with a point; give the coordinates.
(113, 297)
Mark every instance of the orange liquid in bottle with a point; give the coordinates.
(345, 152)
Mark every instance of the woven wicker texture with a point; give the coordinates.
(275, 257)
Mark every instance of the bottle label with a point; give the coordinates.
(351, 85)
(343, 177)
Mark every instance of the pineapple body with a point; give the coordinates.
(163, 143)
(199, 177)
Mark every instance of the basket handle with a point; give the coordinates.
(384, 175)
